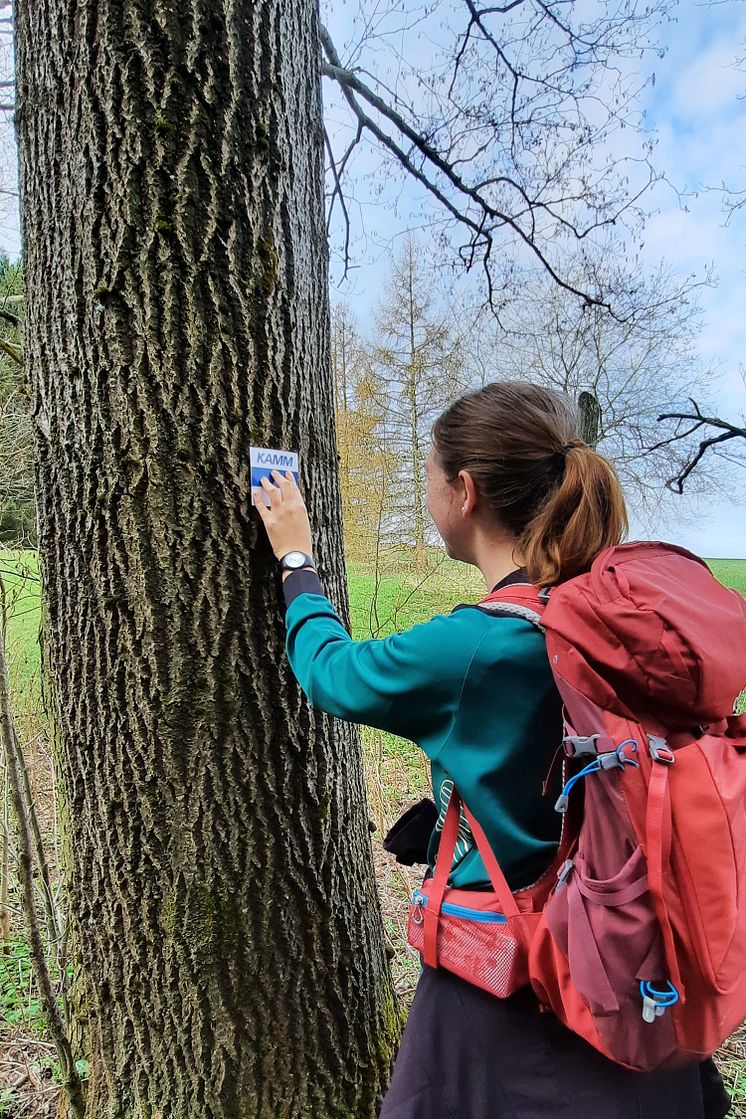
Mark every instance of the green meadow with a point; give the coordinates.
(382, 600)
(19, 572)
(730, 572)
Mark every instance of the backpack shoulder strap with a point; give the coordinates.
(517, 600)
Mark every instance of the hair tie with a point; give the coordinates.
(560, 456)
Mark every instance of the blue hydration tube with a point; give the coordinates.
(611, 760)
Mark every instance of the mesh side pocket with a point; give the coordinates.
(484, 953)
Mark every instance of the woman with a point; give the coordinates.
(513, 491)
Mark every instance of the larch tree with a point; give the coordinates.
(365, 466)
(416, 359)
(219, 878)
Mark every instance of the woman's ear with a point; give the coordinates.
(469, 492)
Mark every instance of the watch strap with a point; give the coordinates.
(309, 563)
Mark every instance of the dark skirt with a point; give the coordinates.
(468, 1055)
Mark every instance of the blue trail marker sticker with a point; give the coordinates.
(264, 460)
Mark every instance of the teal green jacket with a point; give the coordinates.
(474, 691)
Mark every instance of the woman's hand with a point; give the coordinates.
(286, 521)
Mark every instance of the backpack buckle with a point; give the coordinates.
(563, 874)
(612, 760)
(581, 744)
(660, 751)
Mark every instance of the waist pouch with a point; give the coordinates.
(475, 940)
(480, 935)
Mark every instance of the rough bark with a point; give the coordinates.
(220, 878)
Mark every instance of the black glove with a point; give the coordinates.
(409, 838)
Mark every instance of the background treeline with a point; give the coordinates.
(424, 345)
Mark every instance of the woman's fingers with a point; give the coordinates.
(257, 496)
(285, 483)
(286, 520)
(274, 491)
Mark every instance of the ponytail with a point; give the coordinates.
(559, 497)
(579, 518)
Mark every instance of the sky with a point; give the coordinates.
(697, 113)
(698, 110)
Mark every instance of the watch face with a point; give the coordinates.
(294, 559)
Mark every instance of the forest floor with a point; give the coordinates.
(392, 597)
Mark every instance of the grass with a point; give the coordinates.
(730, 572)
(393, 598)
(19, 572)
(399, 596)
(19, 1000)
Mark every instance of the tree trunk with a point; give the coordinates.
(590, 417)
(220, 880)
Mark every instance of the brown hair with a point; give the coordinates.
(560, 498)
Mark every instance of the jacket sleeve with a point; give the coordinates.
(408, 684)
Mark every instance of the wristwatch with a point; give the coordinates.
(294, 561)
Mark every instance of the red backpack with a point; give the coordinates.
(639, 945)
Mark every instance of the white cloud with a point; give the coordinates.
(710, 84)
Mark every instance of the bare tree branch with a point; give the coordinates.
(502, 128)
(338, 193)
(12, 350)
(350, 84)
(696, 417)
(735, 200)
(12, 319)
